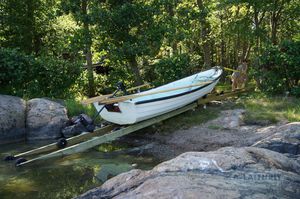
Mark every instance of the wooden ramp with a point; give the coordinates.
(108, 133)
(71, 141)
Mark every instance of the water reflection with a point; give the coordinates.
(65, 177)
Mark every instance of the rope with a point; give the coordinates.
(225, 68)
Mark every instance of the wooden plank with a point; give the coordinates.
(99, 138)
(109, 136)
(212, 97)
(127, 97)
(230, 69)
(71, 141)
(103, 97)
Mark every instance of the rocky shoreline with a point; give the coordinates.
(229, 172)
(35, 119)
(232, 161)
(222, 158)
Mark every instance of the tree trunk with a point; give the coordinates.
(205, 30)
(88, 56)
(256, 24)
(274, 29)
(223, 44)
(258, 18)
(173, 43)
(29, 28)
(135, 70)
(87, 50)
(275, 18)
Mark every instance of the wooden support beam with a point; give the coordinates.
(106, 134)
(214, 97)
(95, 141)
(71, 141)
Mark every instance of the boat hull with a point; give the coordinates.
(139, 110)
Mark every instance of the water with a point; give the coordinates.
(65, 177)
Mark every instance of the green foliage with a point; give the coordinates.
(24, 75)
(279, 69)
(75, 108)
(129, 35)
(262, 109)
(169, 69)
(27, 24)
(130, 30)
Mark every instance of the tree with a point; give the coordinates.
(25, 24)
(205, 31)
(80, 9)
(277, 8)
(129, 31)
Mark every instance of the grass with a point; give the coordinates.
(74, 108)
(260, 110)
(223, 87)
(293, 114)
(268, 110)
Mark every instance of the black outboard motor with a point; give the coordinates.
(121, 86)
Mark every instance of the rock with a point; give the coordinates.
(12, 119)
(45, 119)
(226, 173)
(73, 130)
(285, 140)
(229, 119)
(109, 170)
(203, 138)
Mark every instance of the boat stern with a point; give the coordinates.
(119, 113)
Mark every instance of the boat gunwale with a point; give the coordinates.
(177, 95)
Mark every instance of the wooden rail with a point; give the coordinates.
(109, 136)
(71, 141)
(217, 96)
(86, 141)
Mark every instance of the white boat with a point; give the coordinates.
(148, 106)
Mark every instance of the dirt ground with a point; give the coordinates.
(228, 129)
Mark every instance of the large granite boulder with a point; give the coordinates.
(45, 119)
(229, 172)
(285, 140)
(12, 119)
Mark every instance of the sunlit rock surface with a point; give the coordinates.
(229, 119)
(226, 173)
(12, 119)
(285, 140)
(45, 119)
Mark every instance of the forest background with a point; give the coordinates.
(78, 48)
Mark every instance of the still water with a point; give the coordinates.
(65, 177)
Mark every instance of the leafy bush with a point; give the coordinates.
(171, 69)
(26, 76)
(279, 69)
(75, 108)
